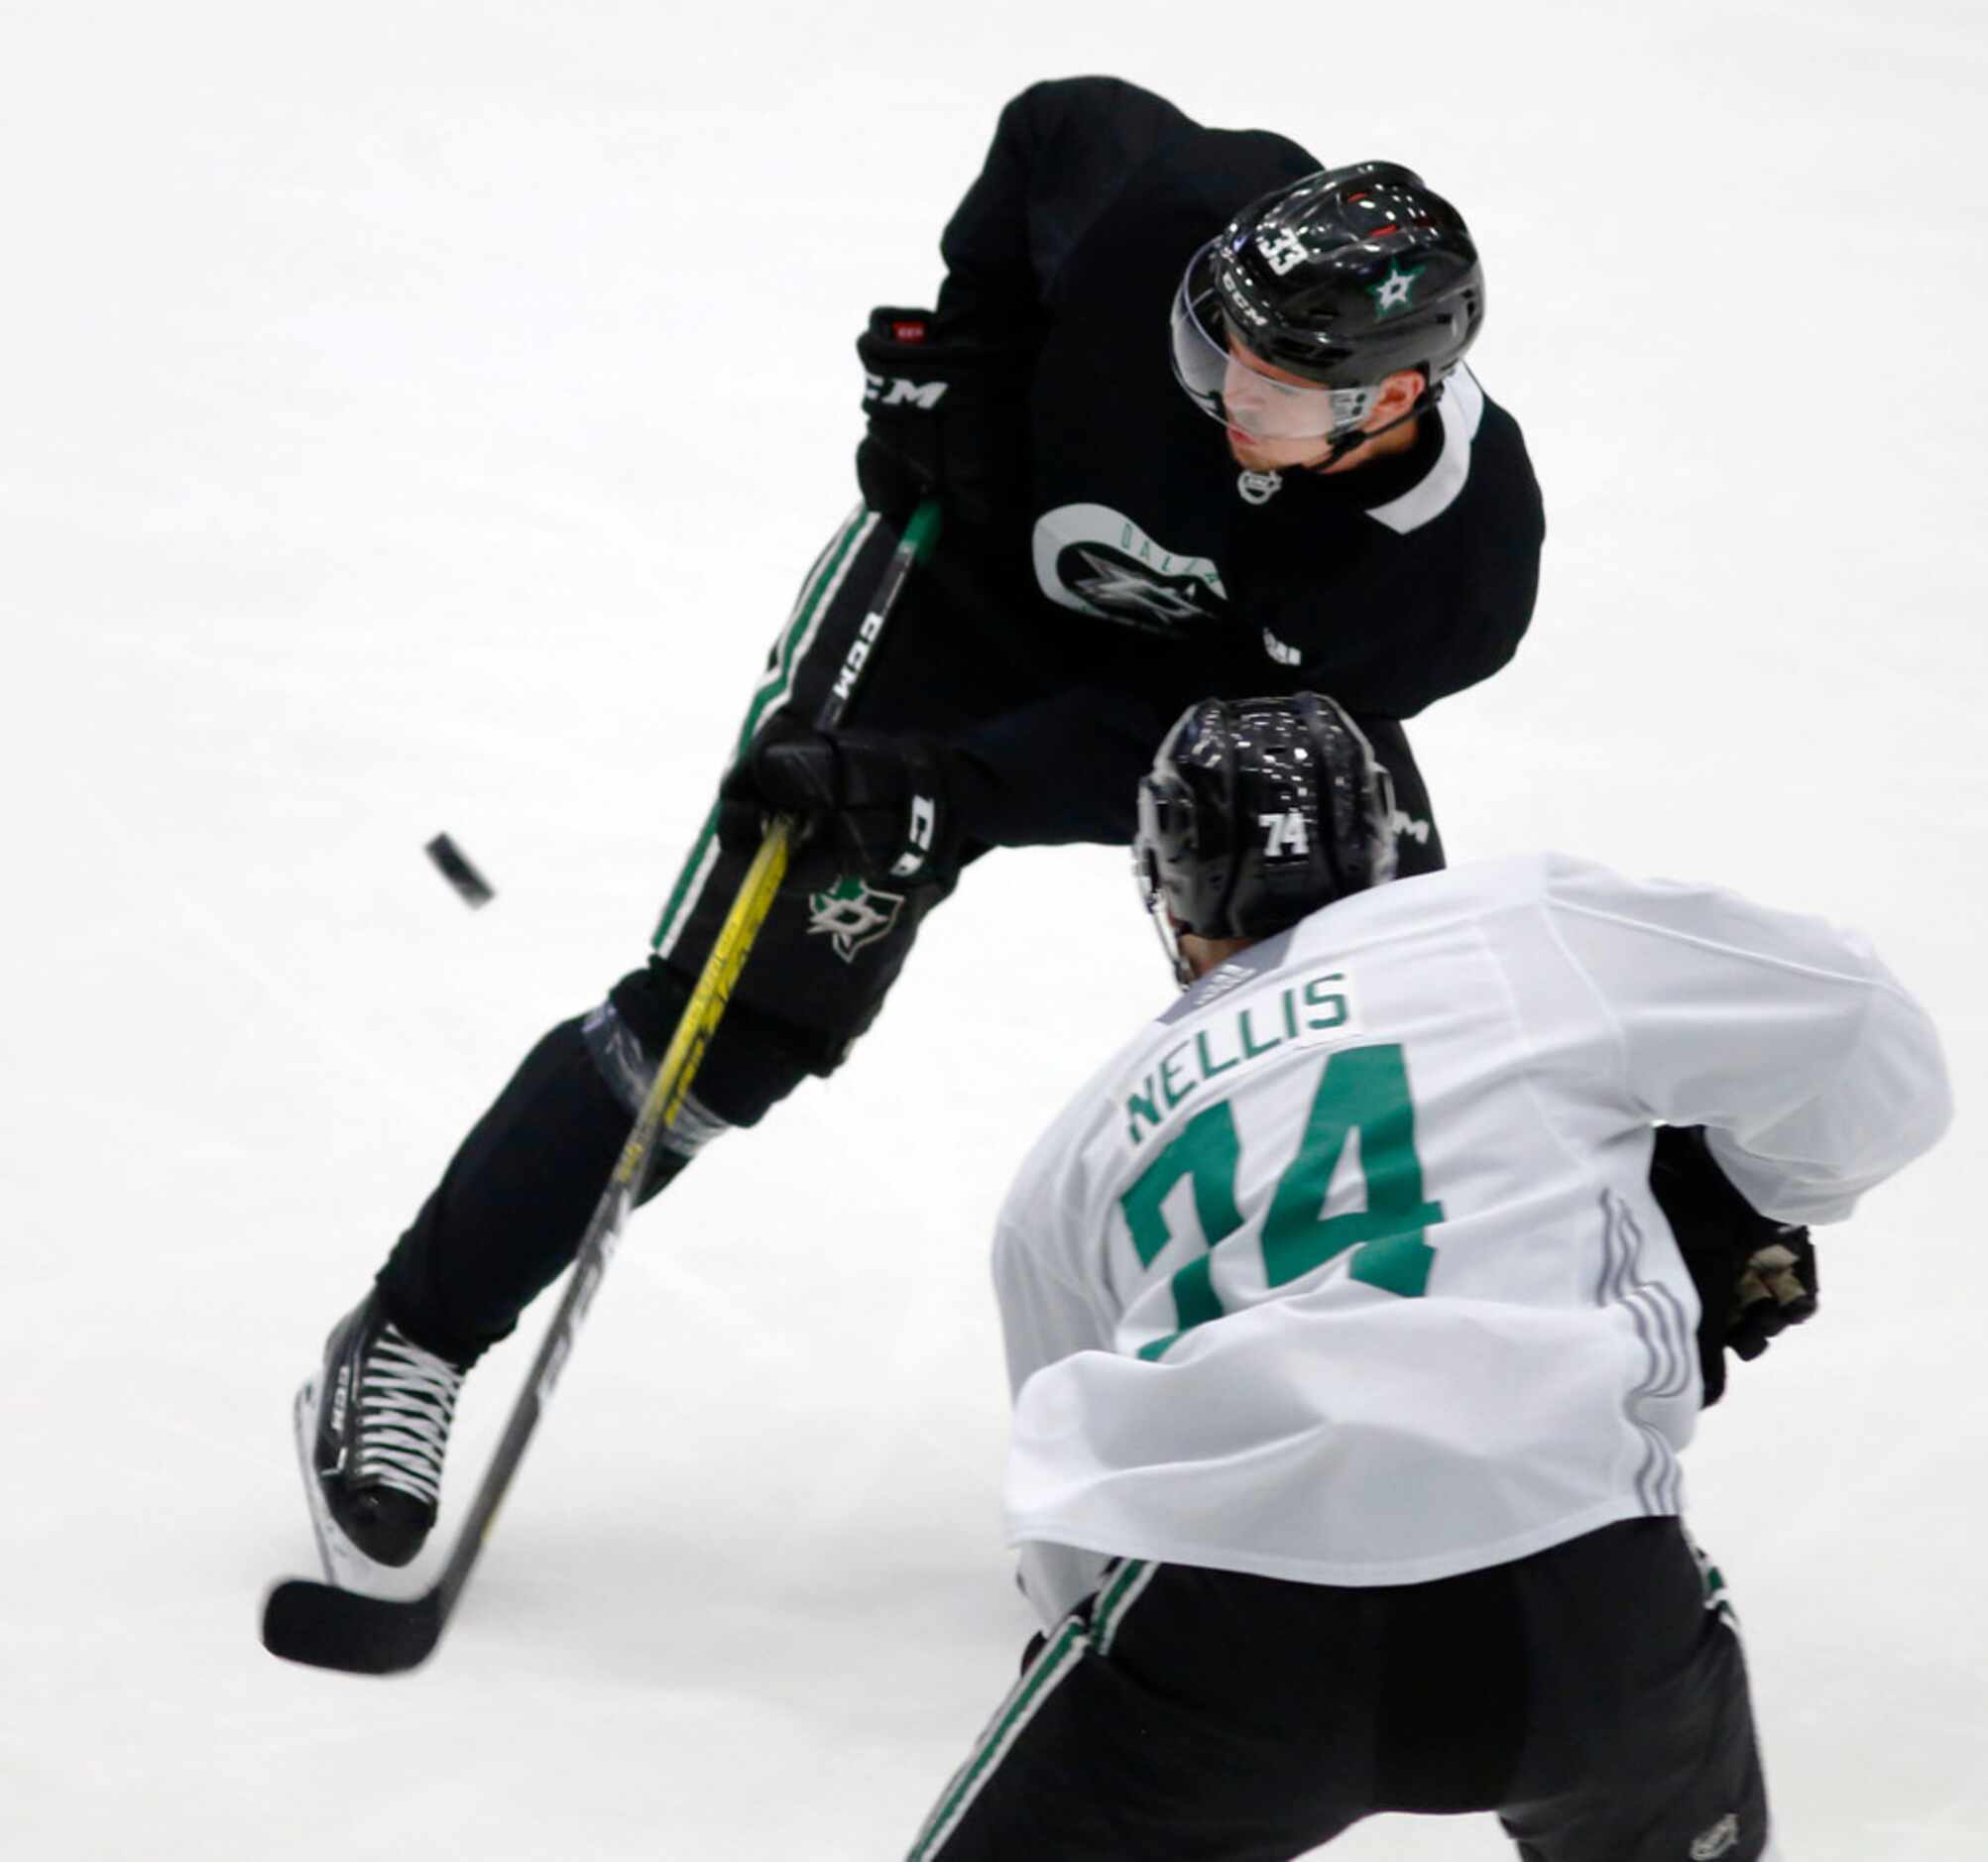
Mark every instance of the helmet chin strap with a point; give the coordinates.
(1353, 439)
(1169, 931)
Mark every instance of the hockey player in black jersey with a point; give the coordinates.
(1334, 502)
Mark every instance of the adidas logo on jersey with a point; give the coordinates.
(1721, 1839)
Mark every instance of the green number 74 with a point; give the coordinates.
(1361, 1089)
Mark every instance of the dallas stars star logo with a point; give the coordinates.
(850, 915)
(1391, 293)
(1113, 586)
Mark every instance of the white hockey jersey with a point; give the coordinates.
(1348, 1270)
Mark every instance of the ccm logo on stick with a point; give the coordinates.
(858, 651)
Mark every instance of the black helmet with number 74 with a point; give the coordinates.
(1341, 278)
(1257, 812)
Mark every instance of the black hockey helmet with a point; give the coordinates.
(1257, 812)
(1343, 278)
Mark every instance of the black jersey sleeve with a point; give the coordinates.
(1067, 765)
(1064, 768)
(1390, 620)
(1061, 152)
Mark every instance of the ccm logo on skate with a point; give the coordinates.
(895, 392)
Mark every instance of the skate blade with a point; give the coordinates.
(345, 1566)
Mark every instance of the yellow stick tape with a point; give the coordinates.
(699, 1022)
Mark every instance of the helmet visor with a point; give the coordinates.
(1228, 384)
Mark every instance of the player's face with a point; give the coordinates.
(1275, 419)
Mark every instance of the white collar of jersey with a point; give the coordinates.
(1460, 409)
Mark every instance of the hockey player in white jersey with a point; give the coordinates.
(1352, 1355)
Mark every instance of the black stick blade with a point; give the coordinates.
(326, 1627)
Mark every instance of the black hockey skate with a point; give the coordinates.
(372, 1427)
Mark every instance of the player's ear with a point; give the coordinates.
(1399, 391)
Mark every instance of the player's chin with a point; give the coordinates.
(1254, 458)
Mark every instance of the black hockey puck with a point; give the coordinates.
(474, 888)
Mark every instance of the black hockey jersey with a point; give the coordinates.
(1159, 570)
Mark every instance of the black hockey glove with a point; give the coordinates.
(947, 418)
(872, 805)
(1778, 1289)
(1754, 1276)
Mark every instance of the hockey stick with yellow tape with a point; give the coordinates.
(326, 1627)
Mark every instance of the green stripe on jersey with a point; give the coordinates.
(817, 590)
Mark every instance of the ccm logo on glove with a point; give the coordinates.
(925, 393)
(924, 823)
(869, 803)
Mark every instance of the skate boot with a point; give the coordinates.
(372, 1427)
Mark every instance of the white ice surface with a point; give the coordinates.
(415, 416)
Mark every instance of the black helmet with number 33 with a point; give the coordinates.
(1257, 812)
(1340, 280)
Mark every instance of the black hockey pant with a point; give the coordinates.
(1594, 1694)
(507, 1217)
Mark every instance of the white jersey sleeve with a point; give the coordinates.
(1814, 1073)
